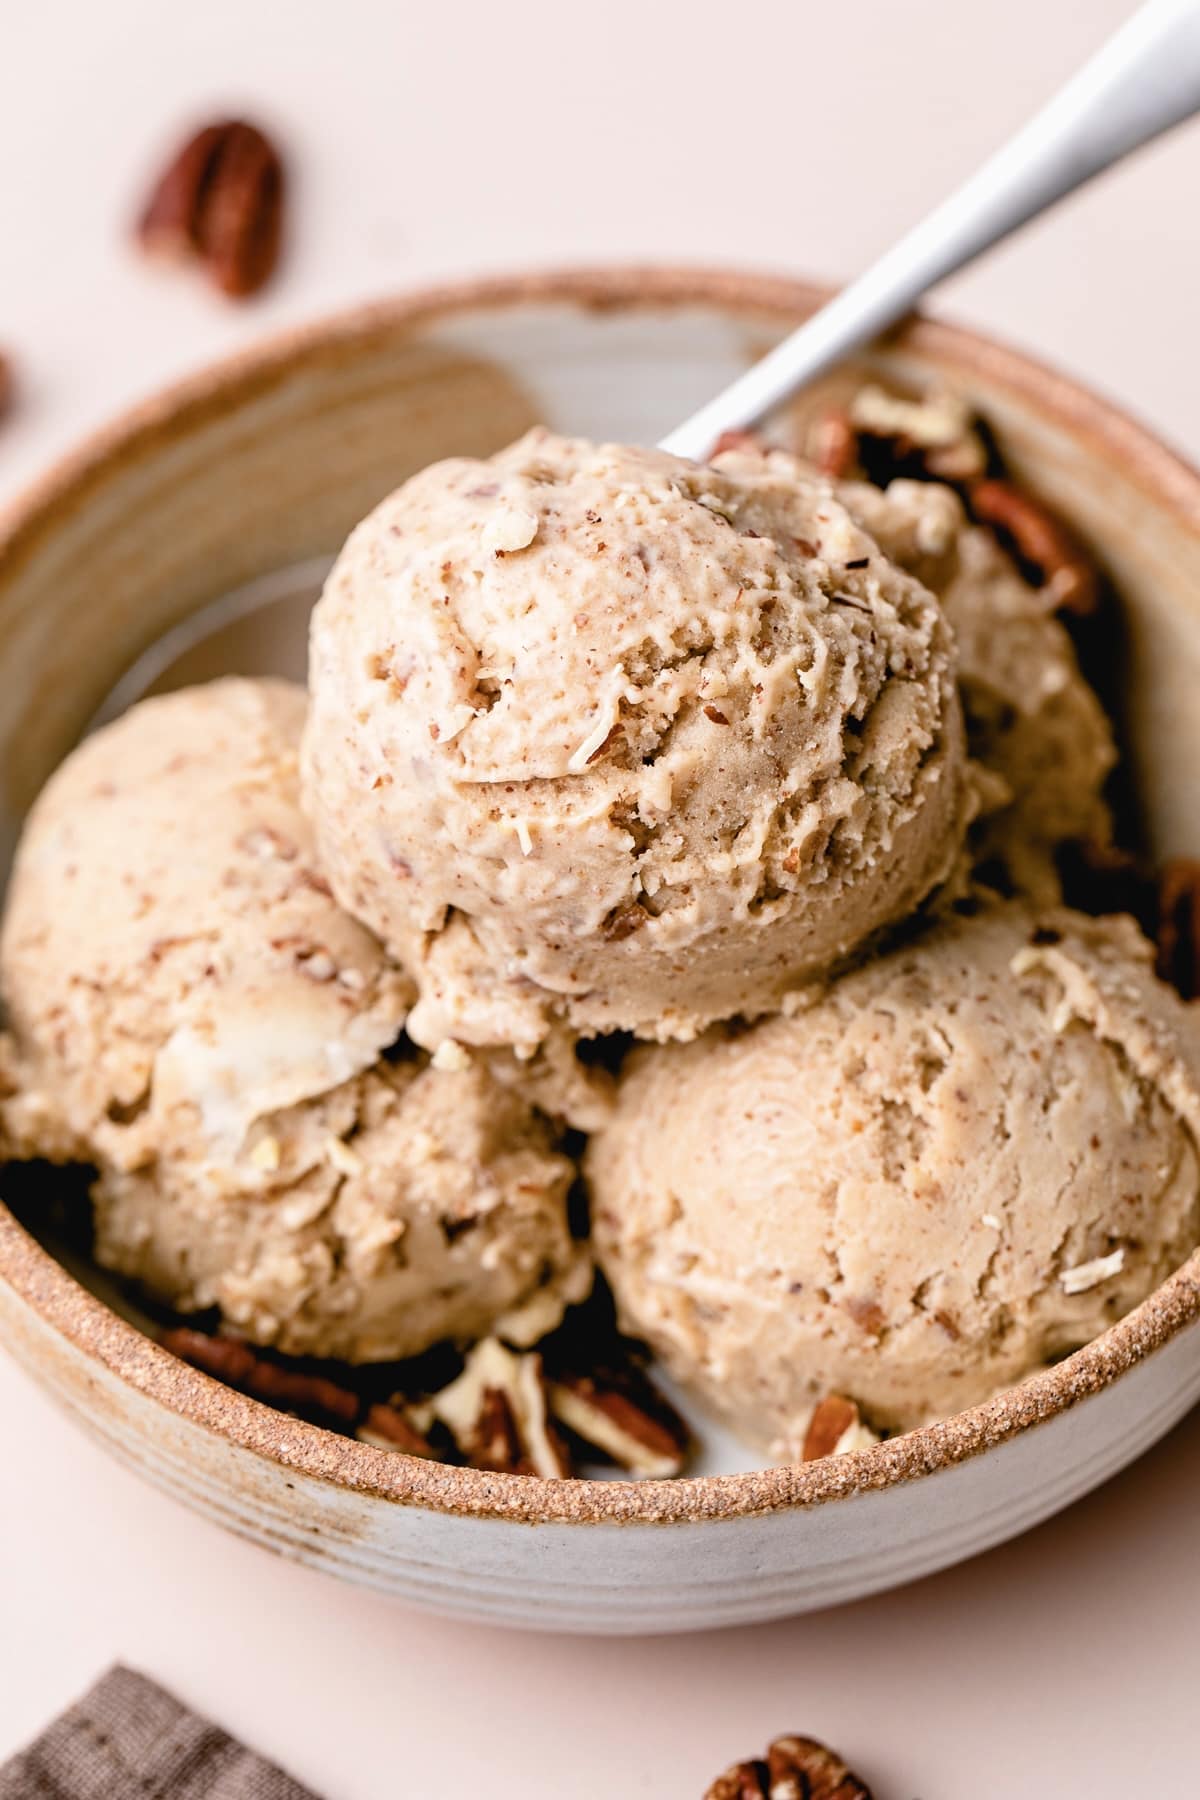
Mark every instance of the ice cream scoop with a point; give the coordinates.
(195, 1016)
(966, 1159)
(603, 737)
(1033, 721)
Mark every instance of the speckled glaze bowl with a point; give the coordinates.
(262, 466)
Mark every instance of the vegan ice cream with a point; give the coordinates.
(1033, 721)
(195, 1016)
(603, 737)
(970, 1156)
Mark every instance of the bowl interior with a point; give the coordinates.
(193, 542)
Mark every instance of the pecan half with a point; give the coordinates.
(237, 1364)
(498, 1413)
(1178, 933)
(624, 1416)
(220, 201)
(794, 1768)
(1041, 543)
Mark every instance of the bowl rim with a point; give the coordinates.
(62, 1304)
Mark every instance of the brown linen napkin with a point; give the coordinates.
(128, 1740)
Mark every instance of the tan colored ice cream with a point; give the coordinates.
(601, 736)
(1033, 721)
(971, 1155)
(405, 1206)
(194, 1014)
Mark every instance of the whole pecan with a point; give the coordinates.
(220, 201)
(1040, 542)
(794, 1768)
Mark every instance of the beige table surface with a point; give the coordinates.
(431, 140)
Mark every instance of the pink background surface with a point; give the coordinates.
(444, 141)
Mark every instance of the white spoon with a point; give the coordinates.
(1144, 80)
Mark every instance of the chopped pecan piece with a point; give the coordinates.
(498, 1413)
(1178, 933)
(623, 921)
(220, 200)
(625, 1417)
(1041, 543)
(294, 1390)
(794, 1768)
(494, 1441)
(934, 437)
(236, 1363)
(736, 440)
(834, 444)
(227, 1358)
(388, 1427)
(832, 1418)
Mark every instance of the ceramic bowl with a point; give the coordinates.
(236, 488)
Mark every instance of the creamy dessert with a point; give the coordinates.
(195, 1016)
(602, 736)
(770, 766)
(965, 1159)
(1034, 723)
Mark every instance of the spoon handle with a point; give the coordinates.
(1144, 80)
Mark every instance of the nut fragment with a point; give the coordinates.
(834, 444)
(937, 431)
(794, 1768)
(1040, 542)
(235, 1363)
(624, 1416)
(836, 1427)
(388, 1426)
(220, 200)
(1178, 931)
(735, 440)
(498, 1414)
